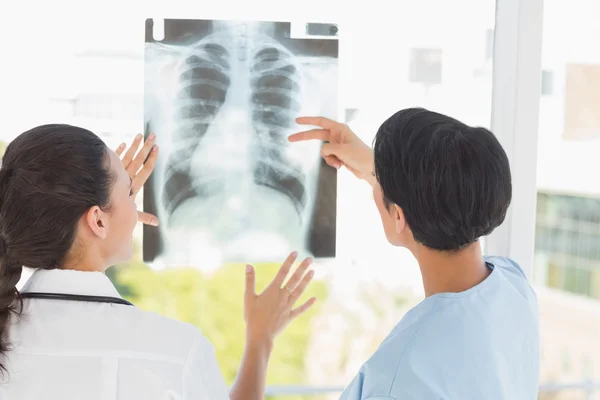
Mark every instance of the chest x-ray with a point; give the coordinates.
(222, 97)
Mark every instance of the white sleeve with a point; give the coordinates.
(202, 378)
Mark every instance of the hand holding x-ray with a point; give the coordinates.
(139, 167)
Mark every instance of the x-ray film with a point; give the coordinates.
(222, 98)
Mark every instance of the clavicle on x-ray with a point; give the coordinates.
(222, 97)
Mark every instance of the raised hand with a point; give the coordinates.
(268, 313)
(342, 147)
(139, 167)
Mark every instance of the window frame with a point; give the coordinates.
(516, 93)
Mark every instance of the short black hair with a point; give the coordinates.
(452, 181)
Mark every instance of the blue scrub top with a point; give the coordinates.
(482, 343)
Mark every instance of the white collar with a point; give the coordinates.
(70, 282)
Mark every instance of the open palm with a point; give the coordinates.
(139, 167)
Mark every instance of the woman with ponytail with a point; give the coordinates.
(67, 210)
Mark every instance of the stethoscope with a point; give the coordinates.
(75, 297)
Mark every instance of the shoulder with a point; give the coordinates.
(507, 265)
(150, 332)
(514, 277)
(159, 323)
(184, 344)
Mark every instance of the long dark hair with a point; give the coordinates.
(50, 176)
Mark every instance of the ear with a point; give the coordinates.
(96, 220)
(399, 220)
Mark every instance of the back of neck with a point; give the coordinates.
(87, 262)
(445, 272)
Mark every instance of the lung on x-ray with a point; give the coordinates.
(222, 98)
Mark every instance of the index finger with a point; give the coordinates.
(147, 218)
(313, 134)
(119, 150)
(284, 270)
(126, 160)
(142, 176)
(141, 157)
(323, 122)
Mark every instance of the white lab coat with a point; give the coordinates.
(66, 350)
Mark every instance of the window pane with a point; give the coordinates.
(567, 244)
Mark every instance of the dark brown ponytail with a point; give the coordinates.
(10, 274)
(10, 303)
(50, 176)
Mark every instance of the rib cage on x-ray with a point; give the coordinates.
(275, 88)
(203, 85)
(214, 81)
(275, 101)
